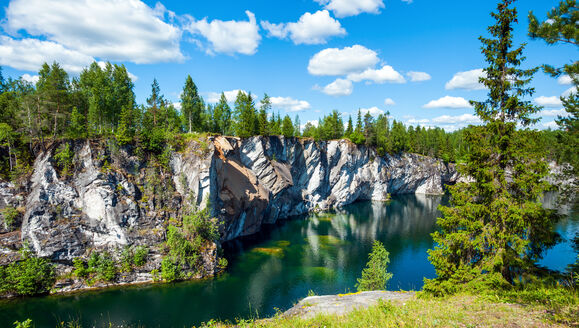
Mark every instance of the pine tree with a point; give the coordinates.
(375, 276)
(222, 116)
(77, 127)
(191, 106)
(349, 128)
(496, 227)
(155, 101)
(287, 127)
(262, 116)
(297, 126)
(53, 86)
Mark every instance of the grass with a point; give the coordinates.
(463, 310)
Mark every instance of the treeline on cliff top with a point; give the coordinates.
(100, 103)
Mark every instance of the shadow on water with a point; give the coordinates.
(322, 252)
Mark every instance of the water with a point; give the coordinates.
(273, 270)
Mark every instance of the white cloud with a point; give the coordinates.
(30, 78)
(228, 37)
(231, 95)
(133, 77)
(447, 122)
(418, 76)
(464, 118)
(177, 105)
(466, 80)
(550, 125)
(312, 122)
(30, 54)
(448, 102)
(313, 28)
(334, 61)
(108, 29)
(565, 80)
(389, 102)
(374, 111)
(553, 112)
(344, 8)
(340, 87)
(385, 74)
(548, 101)
(408, 1)
(289, 104)
(569, 91)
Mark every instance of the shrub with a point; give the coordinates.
(80, 269)
(63, 156)
(30, 276)
(375, 276)
(140, 256)
(103, 266)
(169, 269)
(10, 215)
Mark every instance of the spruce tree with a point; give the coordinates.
(349, 128)
(287, 127)
(262, 116)
(222, 116)
(191, 106)
(495, 227)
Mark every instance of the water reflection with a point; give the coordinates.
(323, 252)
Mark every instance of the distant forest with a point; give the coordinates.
(100, 103)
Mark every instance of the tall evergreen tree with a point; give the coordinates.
(53, 86)
(262, 116)
(349, 128)
(191, 106)
(496, 227)
(245, 115)
(222, 116)
(287, 128)
(155, 102)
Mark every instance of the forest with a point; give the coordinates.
(100, 103)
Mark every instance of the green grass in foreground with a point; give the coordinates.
(555, 307)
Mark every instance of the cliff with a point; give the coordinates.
(114, 197)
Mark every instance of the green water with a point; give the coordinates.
(273, 270)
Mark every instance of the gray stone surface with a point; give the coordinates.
(340, 304)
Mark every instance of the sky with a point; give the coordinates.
(419, 60)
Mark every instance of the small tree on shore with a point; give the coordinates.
(375, 276)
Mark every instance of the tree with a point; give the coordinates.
(561, 27)
(191, 106)
(77, 127)
(495, 229)
(7, 140)
(222, 115)
(287, 127)
(349, 128)
(262, 116)
(155, 101)
(53, 86)
(245, 115)
(297, 126)
(375, 276)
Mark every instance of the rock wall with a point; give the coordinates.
(113, 198)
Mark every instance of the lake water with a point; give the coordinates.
(323, 253)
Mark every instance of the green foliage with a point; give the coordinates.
(287, 128)
(80, 268)
(169, 269)
(77, 127)
(245, 115)
(262, 116)
(496, 227)
(24, 324)
(10, 215)
(140, 254)
(561, 25)
(30, 276)
(375, 276)
(102, 266)
(191, 106)
(64, 156)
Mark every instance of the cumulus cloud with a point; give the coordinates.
(30, 54)
(389, 102)
(569, 91)
(418, 76)
(30, 78)
(289, 104)
(344, 8)
(385, 74)
(374, 111)
(553, 112)
(548, 101)
(565, 80)
(334, 61)
(340, 87)
(228, 37)
(313, 28)
(447, 122)
(466, 80)
(108, 29)
(448, 102)
(231, 95)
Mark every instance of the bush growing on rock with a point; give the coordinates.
(30, 276)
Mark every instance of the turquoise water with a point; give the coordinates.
(323, 253)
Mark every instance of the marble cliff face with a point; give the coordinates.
(113, 198)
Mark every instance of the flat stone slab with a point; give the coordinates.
(341, 304)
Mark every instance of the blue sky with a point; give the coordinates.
(417, 59)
